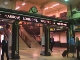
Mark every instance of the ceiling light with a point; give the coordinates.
(23, 4)
(17, 8)
(51, 6)
(2, 20)
(6, 2)
(46, 8)
(55, 4)
(66, 0)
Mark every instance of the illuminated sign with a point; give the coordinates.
(12, 16)
(63, 24)
(52, 29)
(29, 18)
(1, 28)
(77, 28)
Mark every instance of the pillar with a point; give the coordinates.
(47, 41)
(68, 36)
(41, 30)
(15, 40)
(10, 40)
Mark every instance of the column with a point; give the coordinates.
(15, 40)
(10, 40)
(47, 41)
(68, 36)
(41, 30)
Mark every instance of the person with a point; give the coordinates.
(72, 45)
(51, 43)
(4, 48)
(77, 46)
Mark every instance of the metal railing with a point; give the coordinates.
(29, 30)
(25, 38)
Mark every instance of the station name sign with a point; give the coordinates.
(24, 18)
(28, 19)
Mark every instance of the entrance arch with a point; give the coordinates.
(29, 17)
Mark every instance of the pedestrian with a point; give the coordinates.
(51, 43)
(72, 45)
(4, 48)
(77, 46)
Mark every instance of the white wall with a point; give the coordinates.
(59, 36)
(57, 12)
(63, 37)
(77, 34)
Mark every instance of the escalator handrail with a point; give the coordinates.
(32, 32)
(27, 41)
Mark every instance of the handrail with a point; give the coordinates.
(31, 31)
(25, 38)
(34, 33)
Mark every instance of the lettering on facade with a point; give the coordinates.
(12, 16)
(30, 19)
(43, 21)
(27, 19)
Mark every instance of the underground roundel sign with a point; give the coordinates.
(33, 10)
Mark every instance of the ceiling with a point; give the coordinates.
(44, 2)
(48, 3)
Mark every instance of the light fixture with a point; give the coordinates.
(66, 0)
(23, 4)
(46, 8)
(6, 2)
(1, 20)
(17, 8)
(55, 5)
(51, 6)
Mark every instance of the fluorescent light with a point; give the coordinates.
(55, 5)
(23, 4)
(46, 8)
(51, 6)
(17, 8)
(66, 0)
(6, 2)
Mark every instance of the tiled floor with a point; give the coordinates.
(34, 54)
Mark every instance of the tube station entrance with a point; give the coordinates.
(48, 22)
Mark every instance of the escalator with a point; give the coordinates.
(33, 31)
(29, 40)
(22, 44)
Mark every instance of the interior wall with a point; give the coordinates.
(63, 37)
(59, 36)
(57, 13)
(77, 34)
